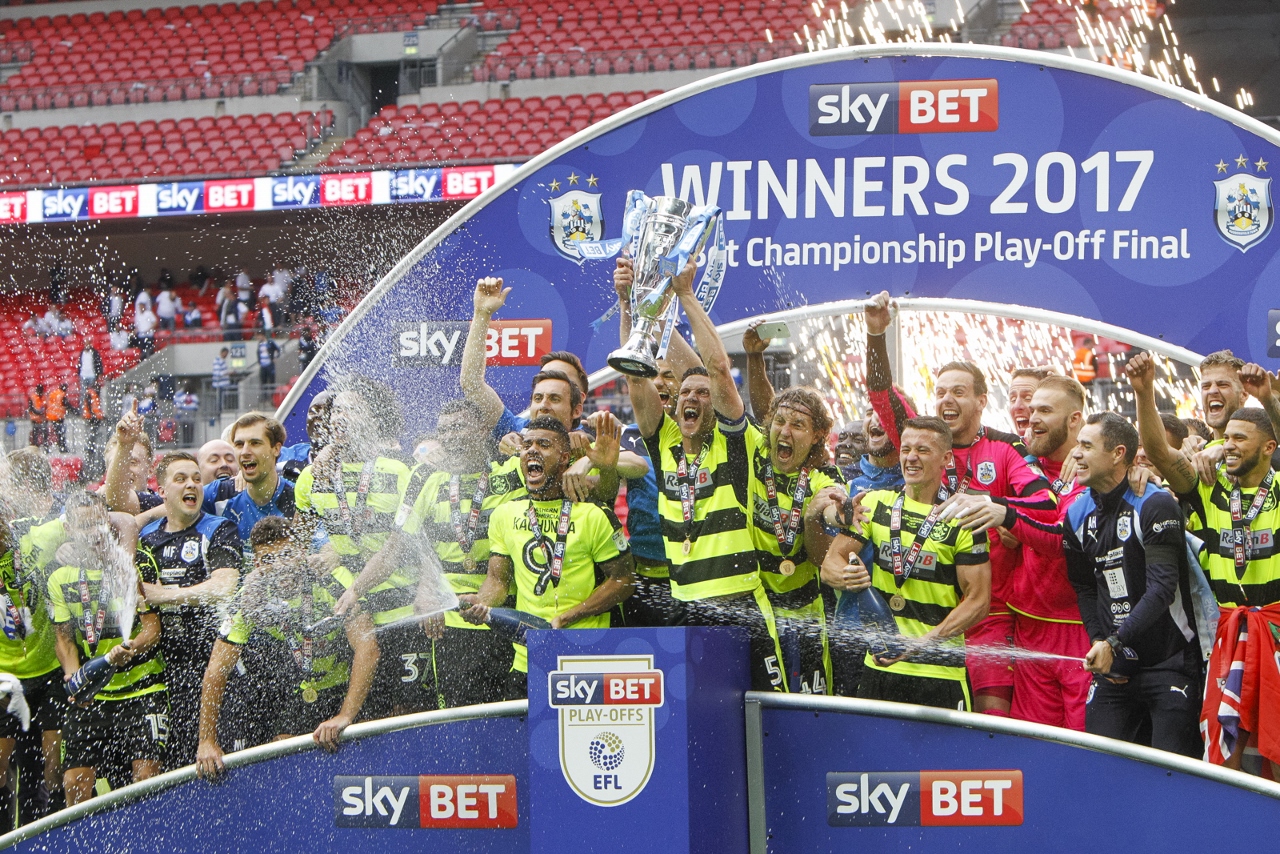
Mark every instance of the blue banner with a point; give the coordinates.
(180, 197)
(295, 191)
(1028, 179)
(416, 185)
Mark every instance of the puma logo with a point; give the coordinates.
(1182, 690)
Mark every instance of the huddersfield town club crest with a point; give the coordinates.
(575, 217)
(1243, 209)
(606, 704)
(986, 472)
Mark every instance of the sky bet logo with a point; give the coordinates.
(472, 801)
(910, 106)
(924, 798)
(295, 191)
(182, 197)
(438, 343)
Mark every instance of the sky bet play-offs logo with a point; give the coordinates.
(924, 798)
(909, 106)
(438, 343)
(443, 801)
(606, 705)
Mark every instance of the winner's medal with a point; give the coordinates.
(309, 694)
(896, 602)
(787, 567)
(687, 545)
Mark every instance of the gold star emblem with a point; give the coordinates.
(1222, 167)
(1242, 161)
(1261, 164)
(555, 185)
(592, 180)
(573, 179)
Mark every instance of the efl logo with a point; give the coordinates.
(445, 801)
(910, 106)
(924, 799)
(605, 705)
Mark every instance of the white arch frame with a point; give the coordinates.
(1007, 54)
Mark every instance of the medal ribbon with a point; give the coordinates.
(554, 554)
(688, 480)
(466, 536)
(903, 566)
(786, 535)
(952, 486)
(1242, 543)
(92, 624)
(301, 651)
(355, 522)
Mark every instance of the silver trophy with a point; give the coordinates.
(666, 221)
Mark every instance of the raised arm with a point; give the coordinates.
(117, 488)
(724, 392)
(889, 406)
(489, 297)
(758, 385)
(1266, 388)
(1172, 465)
(646, 404)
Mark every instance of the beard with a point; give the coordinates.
(1043, 446)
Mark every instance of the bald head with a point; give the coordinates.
(217, 459)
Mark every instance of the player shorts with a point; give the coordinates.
(920, 690)
(650, 604)
(753, 613)
(463, 668)
(47, 700)
(991, 669)
(120, 731)
(1050, 692)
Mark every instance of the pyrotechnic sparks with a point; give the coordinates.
(828, 353)
(1132, 34)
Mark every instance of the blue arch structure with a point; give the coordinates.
(744, 140)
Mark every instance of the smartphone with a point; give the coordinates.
(773, 330)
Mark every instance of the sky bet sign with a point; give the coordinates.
(440, 801)
(910, 106)
(178, 198)
(924, 799)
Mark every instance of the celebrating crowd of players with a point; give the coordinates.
(1052, 575)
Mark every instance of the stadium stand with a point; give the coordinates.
(187, 52)
(1047, 25)
(496, 129)
(562, 38)
(229, 146)
(27, 359)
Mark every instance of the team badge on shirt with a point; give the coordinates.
(1242, 209)
(986, 472)
(190, 550)
(1124, 527)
